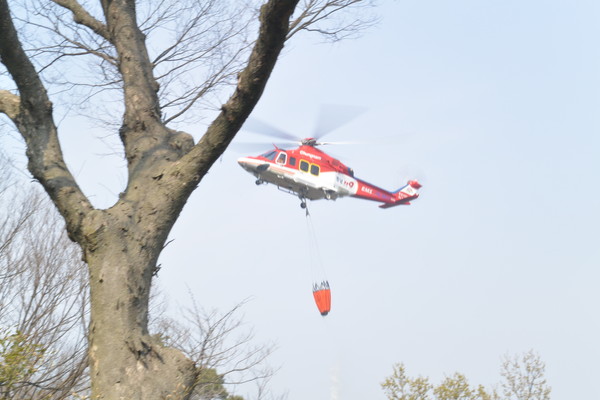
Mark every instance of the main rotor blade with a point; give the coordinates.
(332, 117)
(257, 126)
(335, 143)
(255, 147)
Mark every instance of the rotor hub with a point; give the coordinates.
(309, 142)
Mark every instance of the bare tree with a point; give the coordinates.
(524, 377)
(225, 353)
(315, 16)
(43, 297)
(43, 310)
(121, 244)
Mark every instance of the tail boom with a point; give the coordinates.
(402, 196)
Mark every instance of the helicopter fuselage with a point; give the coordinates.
(312, 174)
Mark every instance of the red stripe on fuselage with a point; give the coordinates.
(371, 192)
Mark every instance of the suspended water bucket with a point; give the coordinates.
(322, 295)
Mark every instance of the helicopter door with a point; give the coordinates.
(282, 158)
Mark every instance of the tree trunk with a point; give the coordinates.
(126, 362)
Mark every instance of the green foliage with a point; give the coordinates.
(522, 379)
(18, 360)
(456, 387)
(401, 387)
(210, 386)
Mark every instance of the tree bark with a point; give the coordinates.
(122, 246)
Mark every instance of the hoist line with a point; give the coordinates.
(320, 283)
(316, 262)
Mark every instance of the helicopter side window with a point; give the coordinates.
(293, 161)
(314, 169)
(270, 155)
(282, 158)
(304, 166)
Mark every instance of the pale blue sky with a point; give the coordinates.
(493, 105)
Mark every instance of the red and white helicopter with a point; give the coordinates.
(309, 173)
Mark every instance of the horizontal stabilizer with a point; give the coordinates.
(397, 203)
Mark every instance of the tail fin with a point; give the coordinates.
(404, 195)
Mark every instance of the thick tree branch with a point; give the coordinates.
(9, 104)
(274, 22)
(142, 131)
(81, 16)
(34, 121)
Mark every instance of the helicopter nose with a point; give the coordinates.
(247, 163)
(243, 162)
(252, 165)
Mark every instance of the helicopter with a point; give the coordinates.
(311, 174)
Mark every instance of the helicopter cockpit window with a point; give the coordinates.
(314, 169)
(282, 158)
(270, 155)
